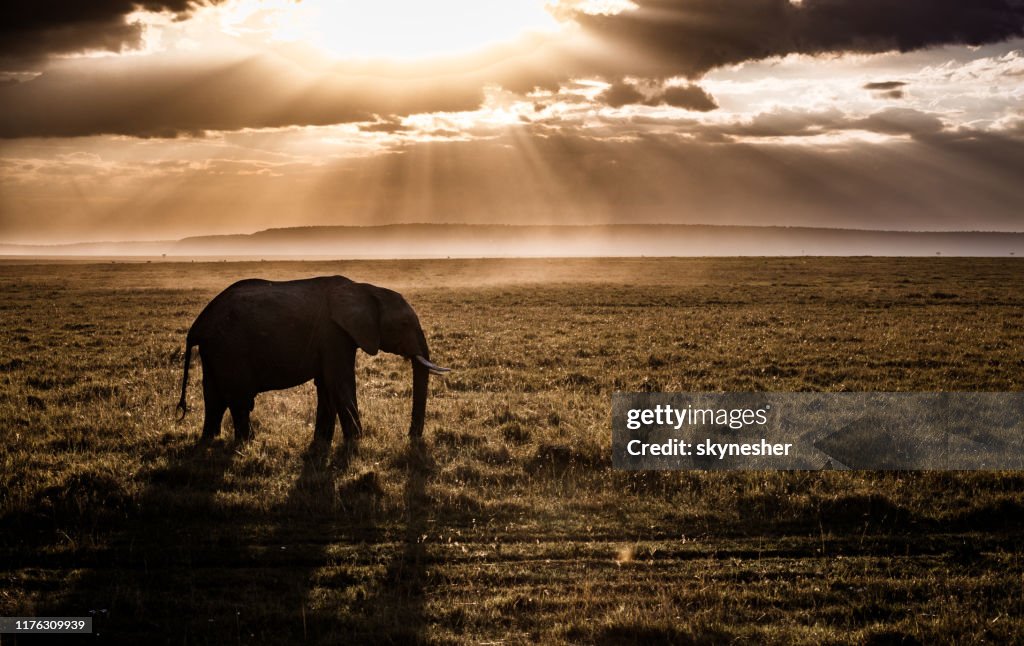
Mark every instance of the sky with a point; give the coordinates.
(161, 119)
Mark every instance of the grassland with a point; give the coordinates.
(508, 524)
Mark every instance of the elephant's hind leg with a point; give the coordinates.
(240, 419)
(325, 414)
(214, 407)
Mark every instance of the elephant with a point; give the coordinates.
(260, 335)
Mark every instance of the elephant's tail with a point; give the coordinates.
(182, 406)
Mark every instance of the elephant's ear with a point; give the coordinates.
(355, 309)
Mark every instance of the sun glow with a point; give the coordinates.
(390, 29)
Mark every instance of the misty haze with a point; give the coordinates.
(490, 241)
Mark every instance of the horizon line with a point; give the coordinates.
(513, 226)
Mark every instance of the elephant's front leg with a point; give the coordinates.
(340, 381)
(325, 413)
(350, 424)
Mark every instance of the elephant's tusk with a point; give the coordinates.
(433, 367)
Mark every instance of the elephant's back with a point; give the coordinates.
(254, 305)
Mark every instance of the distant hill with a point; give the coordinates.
(469, 240)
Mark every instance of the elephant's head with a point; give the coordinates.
(380, 319)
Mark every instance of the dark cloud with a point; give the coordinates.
(31, 29)
(690, 37)
(887, 89)
(689, 97)
(619, 94)
(167, 95)
(387, 125)
(175, 96)
(884, 85)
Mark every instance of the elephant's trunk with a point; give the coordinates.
(422, 368)
(420, 386)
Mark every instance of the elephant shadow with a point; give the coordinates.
(390, 606)
(320, 566)
(397, 607)
(346, 509)
(137, 565)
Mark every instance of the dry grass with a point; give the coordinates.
(508, 524)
